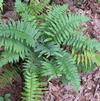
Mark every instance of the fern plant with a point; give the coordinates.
(41, 50)
(32, 10)
(62, 29)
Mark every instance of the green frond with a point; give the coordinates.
(83, 51)
(15, 46)
(33, 87)
(21, 7)
(62, 66)
(23, 10)
(85, 60)
(32, 90)
(50, 69)
(81, 42)
(22, 31)
(63, 27)
(30, 62)
(8, 57)
(47, 49)
(17, 38)
(68, 68)
(56, 11)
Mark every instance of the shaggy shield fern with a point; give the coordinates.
(42, 49)
(62, 29)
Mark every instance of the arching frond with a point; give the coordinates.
(64, 67)
(17, 38)
(33, 87)
(68, 68)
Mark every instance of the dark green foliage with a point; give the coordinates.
(5, 98)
